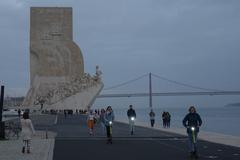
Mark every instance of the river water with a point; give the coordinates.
(216, 118)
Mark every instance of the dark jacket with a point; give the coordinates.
(131, 113)
(192, 120)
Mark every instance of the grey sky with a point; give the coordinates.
(195, 42)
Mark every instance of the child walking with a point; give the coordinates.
(27, 132)
(90, 122)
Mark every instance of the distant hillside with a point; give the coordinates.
(233, 105)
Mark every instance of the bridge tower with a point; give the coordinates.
(150, 90)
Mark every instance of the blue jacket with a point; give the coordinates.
(108, 117)
(192, 119)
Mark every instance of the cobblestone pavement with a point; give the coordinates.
(41, 148)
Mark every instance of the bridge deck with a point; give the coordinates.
(216, 93)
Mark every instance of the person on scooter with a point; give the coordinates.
(192, 121)
(108, 119)
(131, 117)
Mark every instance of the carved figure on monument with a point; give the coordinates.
(98, 73)
(57, 78)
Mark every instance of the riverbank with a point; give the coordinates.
(203, 135)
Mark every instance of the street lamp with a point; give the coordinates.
(2, 125)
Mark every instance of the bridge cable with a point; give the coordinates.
(125, 83)
(184, 84)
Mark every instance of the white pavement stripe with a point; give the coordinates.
(56, 119)
(51, 149)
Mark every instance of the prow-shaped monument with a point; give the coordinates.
(57, 78)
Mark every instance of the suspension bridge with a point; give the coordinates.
(204, 91)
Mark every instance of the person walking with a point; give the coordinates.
(102, 121)
(19, 113)
(90, 122)
(27, 132)
(152, 118)
(192, 121)
(164, 119)
(131, 117)
(65, 113)
(108, 119)
(168, 119)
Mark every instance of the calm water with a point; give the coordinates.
(216, 117)
(221, 120)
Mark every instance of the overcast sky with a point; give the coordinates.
(194, 42)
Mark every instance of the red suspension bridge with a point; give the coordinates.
(204, 91)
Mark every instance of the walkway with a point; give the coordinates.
(73, 142)
(41, 148)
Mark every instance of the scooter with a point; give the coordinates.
(110, 137)
(193, 131)
(132, 119)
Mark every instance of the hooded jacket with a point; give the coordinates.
(192, 120)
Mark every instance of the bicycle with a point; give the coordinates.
(12, 130)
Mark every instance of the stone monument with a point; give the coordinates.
(57, 78)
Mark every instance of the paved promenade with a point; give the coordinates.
(73, 142)
(41, 148)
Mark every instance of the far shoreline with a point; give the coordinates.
(232, 105)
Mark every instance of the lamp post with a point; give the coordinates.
(2, 126)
